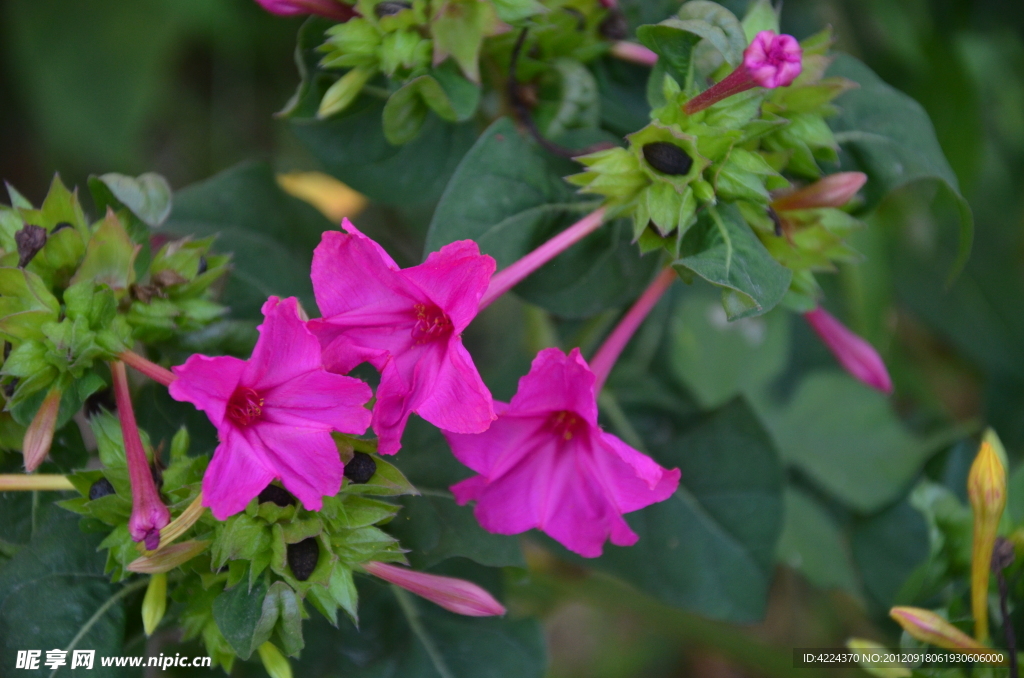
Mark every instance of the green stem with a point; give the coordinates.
(408, 606)
(130, 588)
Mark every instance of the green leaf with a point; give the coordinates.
(509, 197)
(270, 234)
(888, 547)
(709, 548)
(846, 437)
(673, 44)
(723, 250)
(443, 91)
(147, 196)
(812, 543)
(239, 613)
(890, 137)
(54, 595)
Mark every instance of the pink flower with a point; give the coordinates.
(407, 323)
(332, 9)
(546, 464)
(857, 356)
(455, 595)
(274, 414)
(769, 61)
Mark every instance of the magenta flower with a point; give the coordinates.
(332, 9)
(857, 356)
(408, 324)
(455, 595)
(769, 61)
(274, 414)
(546, 464)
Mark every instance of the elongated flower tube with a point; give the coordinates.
(149, 515)
(158, 374)
(929, 627)
(455, 595)
(835, 190)
(332, 9)
(39, 435)
(634, 53)
(986, 489)
(769, 61)
(856, 355)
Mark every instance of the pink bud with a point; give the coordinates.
(149, 515)
(834, 190)
(632, 52)
(857, 356)
(769, 61)
(39, 434)
(332, 9)
(455, 595)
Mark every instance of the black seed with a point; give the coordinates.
(667, 158)
(9, 388)
(276, 495)
(30, 239)
(774, 216)
(202, 266)
(388, 8)
(100, 488)
(615, 26)
(61, 226)
(302, 557)
(99, 401)
(360, 468)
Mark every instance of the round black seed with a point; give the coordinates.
(61, 226)
(302, 557)
(615, 26)
(388, 8)
(667, 158)
(360, 468)
(202, 266)
(9, 388)
(276, 495)
(100, 488)
(99, 401)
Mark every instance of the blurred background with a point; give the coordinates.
(188, 88)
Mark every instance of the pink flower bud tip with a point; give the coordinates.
(856, 355)
(332, 9)
(773, 60)
(834, 190)
(454, 595)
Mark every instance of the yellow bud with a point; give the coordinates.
(930, 628)
(871, 647)
(274, 662)
(154, 605)
(986, 488)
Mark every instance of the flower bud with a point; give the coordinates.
(929, 627)
(154, 604)
(275, 663)
(332, 9)
(986, 489)
(39, 435)
(865, 647)
(834, 190)
(454, 595)
(856, 355)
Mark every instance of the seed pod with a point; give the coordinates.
(276, 495)
(101, 488)
(667, 158)
(302, 557)
(30, 239)
(389, 8)
(615, 26)
(360, 468)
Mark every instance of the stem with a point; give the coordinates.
(1008, 633)
(734, 83)
(87, 626)
(605, 358)
(507, 278)
(148, 368)
(634, 53)
(50, 482)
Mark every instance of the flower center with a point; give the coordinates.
(245, 406)
(565, 424)
(431, 324)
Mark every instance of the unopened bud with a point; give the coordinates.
(275, 663)
(455, 595)
(986, 489)
(154, 604)
(929, 627)
(865, 648)
(39, 435)
(856, 355)
(834, 190)
(332, 9)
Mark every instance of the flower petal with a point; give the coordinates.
(235, 476)
(320, 400)
(502, 446)
(557, 382)
(285, 348)
(392, 409)
(306, 461)
(631, 478)
(457, 399)
(455, 278)
(207, 383)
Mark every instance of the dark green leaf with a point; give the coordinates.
(238, 612)
(887, 548)
(674, 45)
(147, 196)
(812, 543)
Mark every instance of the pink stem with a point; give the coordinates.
(148, 368)
(634, 53)
(734, 83)
(605, 358)
(509, 277)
